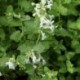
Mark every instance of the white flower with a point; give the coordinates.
(43, 2)
(37, 10)
(46, 23)
(10, 65)
(42, 21)
(34, 66)
(49, 4)
(34, 58)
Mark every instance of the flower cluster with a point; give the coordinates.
(46, 21)
(34, 59)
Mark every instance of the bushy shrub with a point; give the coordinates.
(40, 39)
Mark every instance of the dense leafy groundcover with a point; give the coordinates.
(31, 51)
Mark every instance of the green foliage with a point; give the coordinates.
(20, 36)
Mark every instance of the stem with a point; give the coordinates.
(38, 37)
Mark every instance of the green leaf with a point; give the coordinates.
(3, 61)
(25, 47)
(29, 69)
(70, 67)
(31, 26)
(70, 55)
(9, 10)
(74, 25)
(41, 46)
(2, 34)
(63, 68)
(67, 1)
(16, 36)
(50, 73)
(26, 5)
(62, 10)
(62, 32)
(15, 23)
(62, 78)
(71, 24)
(78, 24)
(21, 61)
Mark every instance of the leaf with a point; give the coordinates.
(76, 45)
(21, 61)
(62, 32)
(41, 47)
(3, 61)
(15, 23)
(67, 1)
(74, 25)
(78, 23)
(3, 21)
(70, 55)
(9, 10)
(62, 10)
(16, 36)
(62, 78)
(63, 68)
(31, 26)
(71, 25)
(2, 34)
(26, 5)
(50, 73)
(29, 69)
(25, 47)
(10, 22)
(70, 67)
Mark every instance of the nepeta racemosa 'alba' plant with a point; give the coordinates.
(46, 21)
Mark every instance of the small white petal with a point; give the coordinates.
(10, 65)
(34, 66)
